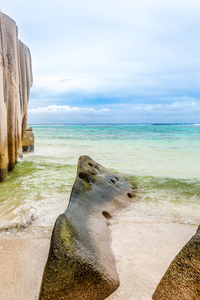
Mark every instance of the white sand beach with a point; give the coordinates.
(143, 251)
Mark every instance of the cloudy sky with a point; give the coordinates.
(111, 60)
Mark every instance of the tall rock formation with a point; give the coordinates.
(15, 83)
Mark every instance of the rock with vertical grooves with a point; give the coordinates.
(81, 264)
(182, 279)
(15, 84)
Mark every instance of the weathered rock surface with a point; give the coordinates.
(15, 84)
(182, 279)
(81, 264)
(28, 141)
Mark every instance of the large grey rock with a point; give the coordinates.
(15, 84)
(81, 264)
(182, 279)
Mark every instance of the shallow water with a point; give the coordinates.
(161, 160)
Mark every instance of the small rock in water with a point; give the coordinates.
(28, 141)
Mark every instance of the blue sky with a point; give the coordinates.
(111, 61)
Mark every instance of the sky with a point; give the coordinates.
(110, 61)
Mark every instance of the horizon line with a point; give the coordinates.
(111, 123)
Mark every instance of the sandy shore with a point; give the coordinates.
(143, 252)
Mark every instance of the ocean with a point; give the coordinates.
(161, 160)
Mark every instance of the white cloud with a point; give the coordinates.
(65, 108)
(177, 112)
(176, 107)
(63, 114)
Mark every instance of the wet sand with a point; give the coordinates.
(143, 251)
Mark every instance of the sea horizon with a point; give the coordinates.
(111, 123)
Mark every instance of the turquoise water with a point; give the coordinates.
(161, 160)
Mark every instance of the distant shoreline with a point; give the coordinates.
(151, 124)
